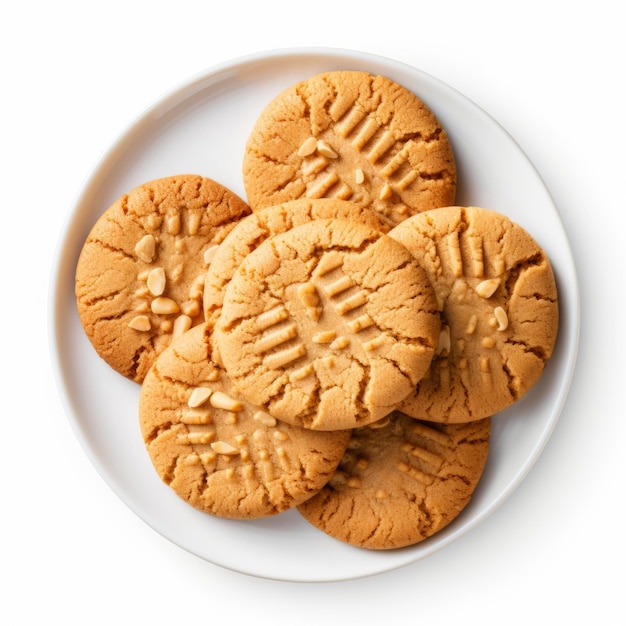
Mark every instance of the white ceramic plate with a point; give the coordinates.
(201, 127)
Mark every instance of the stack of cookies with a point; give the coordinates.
(337, 343)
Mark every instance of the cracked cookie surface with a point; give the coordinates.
(400, 481)
(328, 325)
(353, 136)
(252, 230)
(499, 300)
(140, 274)
(219, 453)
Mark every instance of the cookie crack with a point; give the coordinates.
(169, 472)
(135, 365)
(153, 434)
(452, 476)
(466, 397)
(537, 351)
(111, 248)
(539, 297)
(439, 175)
(513, 381)
(426, 520)
(405, 373)
(109, 297)
(518, 269)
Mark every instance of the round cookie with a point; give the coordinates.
(350, 135)
(500, 311)
(216, 451)
(140, 274)
(252, 230)
(401, 482)
(328, 325)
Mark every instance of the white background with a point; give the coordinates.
(75, 74)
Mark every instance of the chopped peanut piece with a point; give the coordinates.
(164, 306)
(443, 347)
(141, 323)
(199, 396)
(385, 192)
(145, 248)
(502, 317)
(487, 288)
(324, 149)
(222, 401)
(221, 447)
(308, 147)
(181, 325)
(156, 281)
(264, 418)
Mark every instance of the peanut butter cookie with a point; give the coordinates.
(140, 274)
(498, 295)
(216, 451)
(354, 136)
(328, 325)
(252, 230)
(400, 482)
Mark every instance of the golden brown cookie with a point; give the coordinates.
(251, 231)
(500, 311)
(140, 274)
(401, 482)
(328, 325)
(354, 136)
(216, 451)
